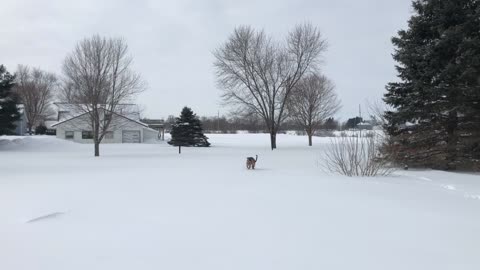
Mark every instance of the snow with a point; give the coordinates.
(144, 206)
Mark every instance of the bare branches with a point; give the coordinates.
(312, 101)
(305, 45)
(356, 156)
(98, 72)
(378, 109)
(98, 79)
(36, 89)
(257, 74)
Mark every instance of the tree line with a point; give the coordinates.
(252, 124)
(272, 84)
(34, 89)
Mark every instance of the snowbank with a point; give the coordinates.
(34, 143)
(142, 206)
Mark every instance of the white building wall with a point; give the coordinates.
(150, 134)
(118, 125)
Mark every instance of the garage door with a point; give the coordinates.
(131, 136)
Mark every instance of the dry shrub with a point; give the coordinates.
(356, 156)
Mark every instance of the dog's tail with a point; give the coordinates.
(256, 158)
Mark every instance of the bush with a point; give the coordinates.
(356, 156)
(41, 130)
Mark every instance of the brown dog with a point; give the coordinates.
(251, 162)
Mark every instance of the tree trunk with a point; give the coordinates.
(179, 149)
(96, 134)
(452, 141)
(309, 131)
(273, 139)
(97, 149)
(29, 126)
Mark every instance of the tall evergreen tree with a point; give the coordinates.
(188, 131)
(8, 103)
(436, 116)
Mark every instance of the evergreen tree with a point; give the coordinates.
(437, 101)
(8, 103)
(41, 129)
(188, 131)
(353, 122)
(330, 124)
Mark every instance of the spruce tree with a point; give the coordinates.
(330, 124)
(188, 131)
(436, 116)
(8, 103)
(353, 122)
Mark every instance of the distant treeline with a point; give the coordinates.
(251, 124)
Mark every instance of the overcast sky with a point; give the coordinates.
(172, 41)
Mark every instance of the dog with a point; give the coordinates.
(251, 162)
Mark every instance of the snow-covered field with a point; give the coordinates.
(146, 207)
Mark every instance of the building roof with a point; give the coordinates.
(67, 110)
(364, 123)
(153, 121)
(74, 117)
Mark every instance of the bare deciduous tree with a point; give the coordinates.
(313, 100)
(258, 74)
(36, 89)
(98, 80)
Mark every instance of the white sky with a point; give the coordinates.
(172, 41)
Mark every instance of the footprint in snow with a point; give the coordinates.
(449, 187)
(46, 217)
(472, 196)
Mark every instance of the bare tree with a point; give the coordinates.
(377, 110)
(258, 74)
(313, 100)
(36, 89)
(98, 80)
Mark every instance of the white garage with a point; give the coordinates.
(131, 136)
(123, 130)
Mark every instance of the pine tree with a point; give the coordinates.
(353, 122)
(188, 131)
(8, 103)
(437, 102)
(330, 124)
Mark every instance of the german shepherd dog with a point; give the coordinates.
(251, 162)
